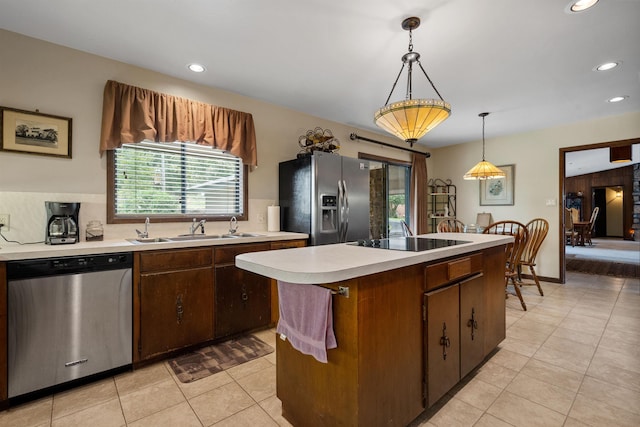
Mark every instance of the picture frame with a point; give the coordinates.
(499, 191)
(35, 133)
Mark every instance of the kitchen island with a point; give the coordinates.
(409, 326)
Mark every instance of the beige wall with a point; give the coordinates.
(536, 159)
(66, 82)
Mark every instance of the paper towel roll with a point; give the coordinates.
(273, 218)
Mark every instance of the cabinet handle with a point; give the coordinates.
(244, 295)
(444, 341)
(179, 309)
(473, 323)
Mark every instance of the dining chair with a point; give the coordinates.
(450, 225)
(575, 214)
(591, 226)
(570, 233)
(513, 251)
(537, 229)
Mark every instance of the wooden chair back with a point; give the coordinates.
(575, 214)
(592, 223)
(450, 225)
(537, 229)
(513, 250)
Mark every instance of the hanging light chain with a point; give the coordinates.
(483, 137)
(410, 40)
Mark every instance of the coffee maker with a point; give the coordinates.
(62, 223)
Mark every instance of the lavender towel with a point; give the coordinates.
(306, 318)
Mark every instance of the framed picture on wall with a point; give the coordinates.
(35, 133)
(499, 191)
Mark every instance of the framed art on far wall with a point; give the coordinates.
(498, 191)
(35, 133)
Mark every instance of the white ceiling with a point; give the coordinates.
(595, 160)
(529, 63)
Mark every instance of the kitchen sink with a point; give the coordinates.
(149, 240)
(183, 237)
(188, 237)
(237, 235)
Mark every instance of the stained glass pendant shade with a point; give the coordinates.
(411, 119)
(484, 169)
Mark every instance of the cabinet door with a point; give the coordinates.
(175, 310)
(242, 301)
(442, 341)
(472, 325)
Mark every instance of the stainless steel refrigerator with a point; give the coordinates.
(326, 196)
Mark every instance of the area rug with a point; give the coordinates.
(215, 358)
(603, 268)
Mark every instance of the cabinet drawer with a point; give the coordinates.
(227, 255)
(287, 244)
(175, 259)
(449, 271)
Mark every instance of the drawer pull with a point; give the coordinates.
(244, 296)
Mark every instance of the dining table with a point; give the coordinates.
(581, 228)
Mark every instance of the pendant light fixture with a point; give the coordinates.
(484, 169)
(411, 119)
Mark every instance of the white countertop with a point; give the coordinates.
(334, 263)
(12, 252)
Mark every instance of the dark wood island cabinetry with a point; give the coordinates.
(405, 336)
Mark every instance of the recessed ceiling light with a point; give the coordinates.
(617, 98)
(581, 5)
(196, 68)
(607, 66)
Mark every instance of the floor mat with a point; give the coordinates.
(603, 268)
(215, 358)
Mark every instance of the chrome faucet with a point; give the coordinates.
(195, 226)
(144, 234)
(233, 225)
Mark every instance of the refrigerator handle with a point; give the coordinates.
(346, 211)
(340, 210)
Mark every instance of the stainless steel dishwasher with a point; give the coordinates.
(68, 318)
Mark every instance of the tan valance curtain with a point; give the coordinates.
(131, 114)
(417, 194)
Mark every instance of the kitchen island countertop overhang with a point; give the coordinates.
(338, 262)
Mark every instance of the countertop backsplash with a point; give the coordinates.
(27, 222)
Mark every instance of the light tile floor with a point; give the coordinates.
(572, 359)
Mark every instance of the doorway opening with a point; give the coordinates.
(611, 191)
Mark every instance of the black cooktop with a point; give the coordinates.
(410, 244)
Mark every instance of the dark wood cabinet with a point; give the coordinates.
(464, 317)
(454, 334)
(472, 323)
(242, 299)
(174, 301)
(442, 341)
